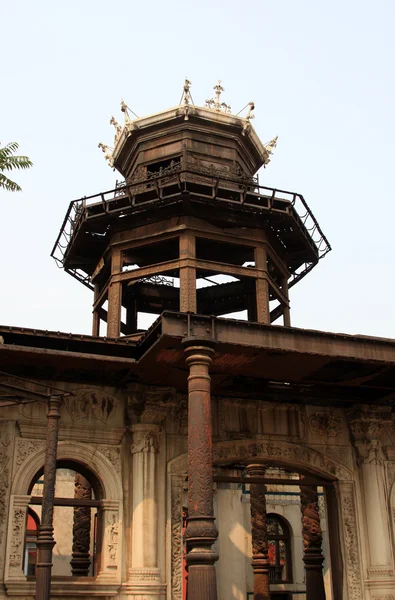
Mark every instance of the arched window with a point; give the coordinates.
(279, 545)
(74, 522)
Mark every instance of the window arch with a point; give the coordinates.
(279, 546)
(75, 521)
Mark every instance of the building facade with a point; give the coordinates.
(207, 456)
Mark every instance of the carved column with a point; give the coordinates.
(80, 561)
(262, 287)
(312, 541)
(187, 275)
(144, 575)
(366, 424)
(114, 297)
(201, 531)
(260, 558)
(45, 540)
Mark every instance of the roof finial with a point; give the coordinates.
(248, 117)
(186, 98)
(216, 104)
(124, 109)
(107, 153)
(118, 129)
(269, 147)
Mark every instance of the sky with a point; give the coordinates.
(321, 75)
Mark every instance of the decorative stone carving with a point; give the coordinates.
(25, 448)
(113, 535)
(366, 424)
(91, 404)
(380, 573)
(352, 559)
(391, 473)
(17, 541)
(177, 486)
(4, 483)
(145, 441)
(327, 424)
(340, 454)
(260, 558)
(113, 454)
(384, 597)
(279, 451)
(149, 404)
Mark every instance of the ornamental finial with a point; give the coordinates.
(217, 104)
(118, 129)
(186, 97)
(107, 153)
(124, 109)
(269, 147)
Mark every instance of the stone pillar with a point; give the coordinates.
(260, 558)
(262, 287)
(80, 561)
(45, 540)
(187, 275)
(201, 531)
(366, 424)
(144, 574)
(312, 541)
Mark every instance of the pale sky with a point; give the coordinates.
(321, 75)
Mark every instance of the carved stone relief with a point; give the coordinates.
(25, 448)
(241, 419)
(17, 541)
(113, 536)
(5, 445)
(352, 559)
(92, 404)
(177, 488)
(326, 424)
(145, 441)
(149, 404)
(279, 451)
(113, 454)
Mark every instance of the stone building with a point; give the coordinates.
(221, 452)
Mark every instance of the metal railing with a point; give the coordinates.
(166, 186)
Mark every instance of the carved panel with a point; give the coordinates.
(17, 541)
(327, 424)
(25, 448)
(113, 454)
(5, 445)
(150, 404)
(351, 546)
(279, 452)
(91, 404)
(177, 485)
(145, 441)
(113, 538)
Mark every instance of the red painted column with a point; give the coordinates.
(201, 531)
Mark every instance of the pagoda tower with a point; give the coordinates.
(189, 228)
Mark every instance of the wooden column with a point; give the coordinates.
(80, 561)
(260, 558)
(45, 541)
(262, 287)
(114, 297)
(187, 275)
(201, 531)
(312, 541)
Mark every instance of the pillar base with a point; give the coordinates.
(144, 582)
